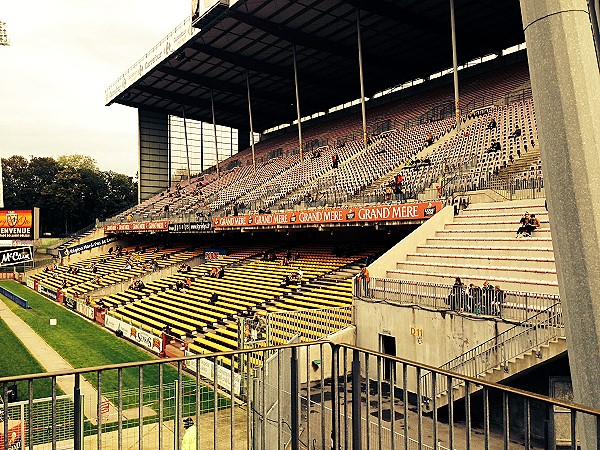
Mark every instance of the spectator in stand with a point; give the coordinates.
(455, 299)
(286, 281)
(213, 272)
(498, 300)
(492, 124)
(494, 147)
(533, 224)
(428, 140)
(475, 297)
(487, 294)
(335, 161)
(221, 273)
(363, 278)
(515, 134)
(214, 298)
(524, 222)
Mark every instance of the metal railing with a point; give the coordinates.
(509, 305)
(320, 395)
(517, 188)
(546, 326)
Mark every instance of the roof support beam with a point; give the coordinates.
(305, 39)
(400, 15)
(190, 101)
(224, 86)
(284, 73)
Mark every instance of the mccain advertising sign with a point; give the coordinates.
(17, 255)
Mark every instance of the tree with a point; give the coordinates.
(70, 191)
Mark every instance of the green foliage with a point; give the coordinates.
(70, 191)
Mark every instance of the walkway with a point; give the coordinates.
(51, 361)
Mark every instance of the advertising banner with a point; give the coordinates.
(87, 246)
(378, 213)
(14, 256)
(137, 227)
(189, 227)
(16, 224)
(154, 343)
(207, 370)
(14, 435)
(214, 253)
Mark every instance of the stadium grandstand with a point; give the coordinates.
(343, 238)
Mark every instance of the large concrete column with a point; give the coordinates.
(566, 92)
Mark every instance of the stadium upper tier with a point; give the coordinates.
(398, 135)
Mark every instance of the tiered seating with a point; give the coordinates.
(112, 268)
(246, 287)
(281, 179)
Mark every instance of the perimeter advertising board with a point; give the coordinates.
(379, 213)
(18, 255)
(14, 434)
(143, 338)
(16, 224)
(137, 227)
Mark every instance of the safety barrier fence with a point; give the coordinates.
(509, 305)
(528, 336)
(354, 398)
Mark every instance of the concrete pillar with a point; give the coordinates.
(566, 92)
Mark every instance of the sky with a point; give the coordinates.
(63, 54)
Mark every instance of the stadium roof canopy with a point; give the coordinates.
(402, 40)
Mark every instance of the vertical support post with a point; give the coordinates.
(565, 83)
(297, 100)
(214, 122)
(76, 414)
(5, 414)
(187, 150)
(455, 65)
(594, 18)
(362, 81)
(295, 392)
(251, 122)
(29, 416)
(335, 407)
(356, 401)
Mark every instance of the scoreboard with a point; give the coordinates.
(16, 224)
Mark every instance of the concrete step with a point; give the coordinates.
(515, 251)
(461, 270)
(514, 205)
(531, 261)
(497, 232)
(492, 224)
(505, 281)
(513, 366)
(478, 241)
(513, 217)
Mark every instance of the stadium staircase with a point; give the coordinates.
(78, 237)
(525, 164)
(480, 245)
(526, 345)
(372, 189)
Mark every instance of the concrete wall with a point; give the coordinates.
(428, 337)
(345, 336)
(409, 244)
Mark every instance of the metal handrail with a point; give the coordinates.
(509, 305)
(497, 351)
